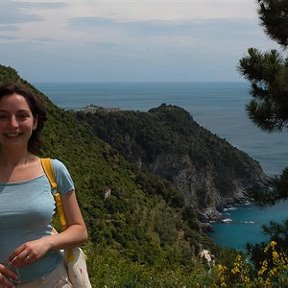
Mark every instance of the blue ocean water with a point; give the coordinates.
(219, 107)
(246, 224)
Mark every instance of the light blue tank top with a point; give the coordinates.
(26, 211)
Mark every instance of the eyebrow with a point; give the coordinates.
(19, 111)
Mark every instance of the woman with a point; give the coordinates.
(29, 253)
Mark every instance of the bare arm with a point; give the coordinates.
(76, 232)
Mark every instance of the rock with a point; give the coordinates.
(206, 227)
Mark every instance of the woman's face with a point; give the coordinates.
(16, 121)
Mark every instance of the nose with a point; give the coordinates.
(13, 122)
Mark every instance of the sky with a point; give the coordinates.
(129, 41)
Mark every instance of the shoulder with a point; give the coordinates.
(58, 165)
(59, 168)
(62, 175)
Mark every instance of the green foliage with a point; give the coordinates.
(169, 131)
(111, 270)
(277, 232)
(268, 196)
(271, 272)
(268, 74)
(274, 18)
(8, 73)
(141, 234)
(126, 209)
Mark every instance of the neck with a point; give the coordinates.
(14, 158)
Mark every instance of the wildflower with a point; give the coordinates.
(273, 272)
(247, 280)
(264, 268)
(273, 243)
(222, 269)
(275, 255)
(235, 270)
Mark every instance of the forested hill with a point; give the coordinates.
(142, 227)
(166, 140)
(127, 210)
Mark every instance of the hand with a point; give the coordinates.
(8, 278)
(29, 252)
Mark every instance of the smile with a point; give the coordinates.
(12, 135)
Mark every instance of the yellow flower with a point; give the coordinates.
(273, 272)
(272, 245)
(238, 258)
(275, 255)
(235, 270)
(263, 268)
(246, 280)
(221, 268)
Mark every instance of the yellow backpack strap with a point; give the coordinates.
(49, 171)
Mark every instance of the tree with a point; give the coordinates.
(268, 109)
(268, 75)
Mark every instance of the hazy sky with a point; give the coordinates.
(133, 40)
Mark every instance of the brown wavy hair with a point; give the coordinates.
(36, 105)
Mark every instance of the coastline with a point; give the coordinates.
(246, 224)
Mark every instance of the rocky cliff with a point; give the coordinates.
(166, 140)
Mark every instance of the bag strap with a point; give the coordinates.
(49, 171)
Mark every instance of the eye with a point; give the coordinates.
(23, 116)
(3, 117)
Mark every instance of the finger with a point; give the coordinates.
(15, 261)
(5, 282)
(28, 258)
(22, 261)
(11, 272)
(17, 253)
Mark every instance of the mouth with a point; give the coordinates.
(12, 135)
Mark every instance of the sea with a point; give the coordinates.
(217, 106)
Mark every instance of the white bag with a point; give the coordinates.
(75, 261)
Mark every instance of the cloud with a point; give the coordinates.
(70, 21)
(39, 5)
(164, 27)
(132, 40)
(10, 13)
(8, 28)
(206, 35)
(164, 10)
(6, 37)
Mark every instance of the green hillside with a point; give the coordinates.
(135, 230)
(207, 170)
